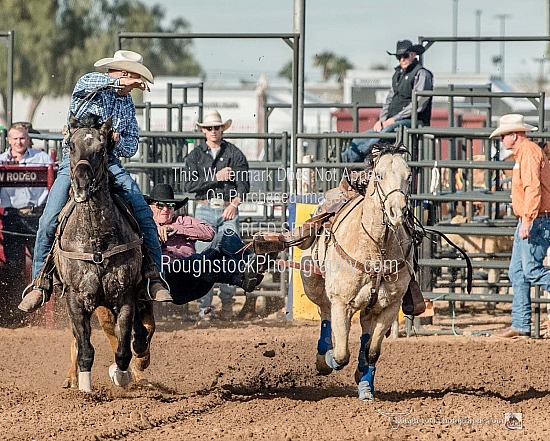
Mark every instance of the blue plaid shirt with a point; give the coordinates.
(107, 103)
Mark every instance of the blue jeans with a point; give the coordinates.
(59, 195)
(526, 269)
(213, 216)
(359, 148)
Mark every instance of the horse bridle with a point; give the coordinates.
(382, 249)
(384, 197)
(94, 185)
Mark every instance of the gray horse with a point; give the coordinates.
(98, 255)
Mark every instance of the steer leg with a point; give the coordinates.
(147, 320)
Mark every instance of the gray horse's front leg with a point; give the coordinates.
(119, 373)
(82, 331)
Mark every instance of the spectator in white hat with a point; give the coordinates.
(219, 172)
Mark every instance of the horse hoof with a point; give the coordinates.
(321, 365)
(331, 362)
(118, 377)
(366, 392)
(85, 381)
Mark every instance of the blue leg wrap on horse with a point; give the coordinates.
(331, 362)
(362, 360)
(366, 385)
(325, 340)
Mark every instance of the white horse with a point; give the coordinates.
(365, 264)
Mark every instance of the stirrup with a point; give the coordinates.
(28, 288)
(31, 287)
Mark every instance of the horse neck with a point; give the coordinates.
(101, 201)
(102, 197)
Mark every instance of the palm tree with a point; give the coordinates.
(331, 64)
(339, 68)
(286, 71)
(325, 61)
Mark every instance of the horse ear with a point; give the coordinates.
(108, 125)
(106, 131)
(73, 122)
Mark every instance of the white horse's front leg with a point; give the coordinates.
(382, 323)
(341, 314)
(314, 288)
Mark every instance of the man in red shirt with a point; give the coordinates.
(190, 274)
(531, 204)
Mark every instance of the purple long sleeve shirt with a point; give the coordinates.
(187, 231)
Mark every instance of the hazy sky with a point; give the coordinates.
(360, 30)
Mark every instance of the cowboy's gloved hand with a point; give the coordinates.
(130, 83)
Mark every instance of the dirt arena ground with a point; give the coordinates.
(257, 380)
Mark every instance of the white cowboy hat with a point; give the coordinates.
(511, 123)
(126, 60)
(213, 118)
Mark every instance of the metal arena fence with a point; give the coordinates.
(448, 150)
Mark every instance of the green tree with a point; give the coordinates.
(332, 65)
(286, 71)
(56, 41)
(324, 60)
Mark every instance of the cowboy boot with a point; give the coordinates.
(413, 301)
(37, 296)
(42, 287)
(157, 287)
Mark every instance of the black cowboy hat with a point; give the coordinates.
(164, 193)
(404, 46)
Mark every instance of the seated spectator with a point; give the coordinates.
(396, 111)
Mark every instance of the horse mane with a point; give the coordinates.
(383, 148)
(89, 121)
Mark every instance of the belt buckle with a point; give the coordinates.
(216, 203)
